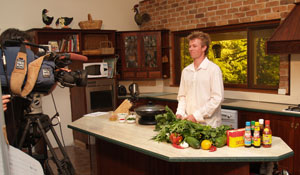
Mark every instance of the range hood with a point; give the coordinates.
(286, 38)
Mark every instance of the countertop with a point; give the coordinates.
(138, 137)
(234, 104)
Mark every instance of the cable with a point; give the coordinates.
(57, 117)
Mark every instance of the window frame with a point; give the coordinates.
(248, 27)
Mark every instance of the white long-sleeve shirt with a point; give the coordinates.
(201, 93)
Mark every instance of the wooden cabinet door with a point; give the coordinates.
(151, 50)
(297, 147)
(130, 55)
(141, 55)
(249, 116)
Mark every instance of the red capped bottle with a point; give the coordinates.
(267, 135)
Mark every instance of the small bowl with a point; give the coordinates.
(131, 119)
(122, 117)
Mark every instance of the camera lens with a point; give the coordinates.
(81, 78)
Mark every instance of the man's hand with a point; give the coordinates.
(190, 118)
(5, 100)
(178, 116)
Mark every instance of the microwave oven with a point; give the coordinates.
(96, 70)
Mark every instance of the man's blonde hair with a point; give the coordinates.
(204, 37)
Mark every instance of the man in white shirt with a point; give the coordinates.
(201, 89)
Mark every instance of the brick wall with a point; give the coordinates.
(190, 14)
(178, 15)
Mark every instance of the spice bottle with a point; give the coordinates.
(247, 135)
(261, 129)
(252, 130)
(256, 136)
(267, 135)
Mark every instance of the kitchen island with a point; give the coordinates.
(122, 148)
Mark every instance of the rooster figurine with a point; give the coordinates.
(63, 22)
(46, 19)
(140, 18)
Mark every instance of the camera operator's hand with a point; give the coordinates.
(64, 69)
(5, 100)
(54, 86)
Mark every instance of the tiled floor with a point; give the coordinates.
(80, 159)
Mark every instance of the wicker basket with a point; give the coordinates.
(90, 24)
(91, 52)
(106, 47)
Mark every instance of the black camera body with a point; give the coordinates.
(71, 79)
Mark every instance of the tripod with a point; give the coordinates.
(35, 127)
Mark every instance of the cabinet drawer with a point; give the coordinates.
(141, 74)
(156, 74)
(129, 74)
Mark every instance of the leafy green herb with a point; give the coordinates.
(168, 124)
(131, 118)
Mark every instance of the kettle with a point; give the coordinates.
(122, 90)
(134, 90)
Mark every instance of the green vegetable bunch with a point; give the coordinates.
(167, 124)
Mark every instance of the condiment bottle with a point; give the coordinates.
(261, 128)
(252, 130)
(267, 135)
(256, 136)
(247, 135)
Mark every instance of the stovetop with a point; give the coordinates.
(294, 109)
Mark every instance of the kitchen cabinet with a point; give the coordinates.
(80, 41)
(144, 54)
(283, 127)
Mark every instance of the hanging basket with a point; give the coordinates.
(90, 24)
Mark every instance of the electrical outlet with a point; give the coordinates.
(281, 91)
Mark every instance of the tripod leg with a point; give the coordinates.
(24, 134)
(65, 155)
(61, 165)
(56, 160)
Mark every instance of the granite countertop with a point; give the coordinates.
(234, 104)
(138, 137)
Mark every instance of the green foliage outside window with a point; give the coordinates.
(231, 56)
(233, 60)
(267, 66)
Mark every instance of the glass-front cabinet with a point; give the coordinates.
(131, 51)
(141, 54)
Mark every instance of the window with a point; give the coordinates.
(240, 53)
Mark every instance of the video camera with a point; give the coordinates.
(51, 69)
(28, 75)
(66, 78)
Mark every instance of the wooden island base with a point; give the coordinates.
(111, 159)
